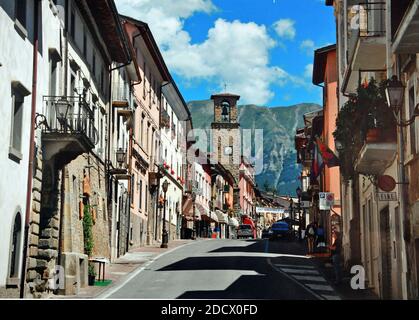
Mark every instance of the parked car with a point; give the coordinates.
(281, 229)
(266, 233)
(245, 231)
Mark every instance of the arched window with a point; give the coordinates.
(225, 112)
(15, 247)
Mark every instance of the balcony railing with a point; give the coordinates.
(366, 20)
(122, 94)
(69, 115)
(372, 19)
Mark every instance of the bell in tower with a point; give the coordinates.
(225, 114)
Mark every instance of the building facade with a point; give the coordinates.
(379, 232)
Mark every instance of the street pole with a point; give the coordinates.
(165, 236)
(194, 220)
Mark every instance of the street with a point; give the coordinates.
(228, 269)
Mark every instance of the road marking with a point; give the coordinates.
(113, 290)
(293, 266)
(314, 294)
(310, 278)
(319, 287)
(299, 271)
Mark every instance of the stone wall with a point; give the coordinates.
(86, 176)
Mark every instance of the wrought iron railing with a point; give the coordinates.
(122, 93)
(367, 19)
(69, 115)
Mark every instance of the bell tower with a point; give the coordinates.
(226, 142)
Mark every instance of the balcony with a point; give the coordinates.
(406, 39)
(122, 100)
(67, 127)
(121, 171)
(367, 44)
(377, 153)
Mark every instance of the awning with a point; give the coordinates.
(187, 209)
(247, 220)
(222, 217)
(233, 222)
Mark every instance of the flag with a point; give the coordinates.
(328, 156)
(317, 164)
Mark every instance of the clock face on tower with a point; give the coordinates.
(228, 151)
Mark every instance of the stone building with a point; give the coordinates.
(71, 139)
(225, 140)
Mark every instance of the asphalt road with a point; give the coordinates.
(228, 269)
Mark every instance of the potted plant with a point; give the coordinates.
(92, 275)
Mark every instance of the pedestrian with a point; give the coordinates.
(320, 242)
(311, 235)
(336, 249)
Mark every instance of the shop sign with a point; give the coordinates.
(387, 196)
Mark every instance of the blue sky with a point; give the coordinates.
(262, 49)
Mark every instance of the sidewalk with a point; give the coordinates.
(325, 266)
(118, 271)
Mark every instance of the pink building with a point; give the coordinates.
(247, 189)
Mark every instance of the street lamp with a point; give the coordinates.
(193, 195)
(395, 95)
(165, 236)
(61, 109)
(120, 156)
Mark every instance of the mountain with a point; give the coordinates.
(280, 170)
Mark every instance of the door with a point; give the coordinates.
(386, 253)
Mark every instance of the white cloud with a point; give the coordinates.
(307, 46)
(234, 52)
(285, 28)
(308, 71)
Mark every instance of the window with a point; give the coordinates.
(140, 205)
(52, 76)
(15, 247)
(145, 194)
(145, 80)
(154, 87)
(132, 189)
(73, 24)
(102, 82)
(142, 130)
(20, 12)
(148, 137)
(75, 192)
(94, 64)
(85, 46)
(18, 95)
(149, 91)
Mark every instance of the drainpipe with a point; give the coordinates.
(31, 150)
(404, 215)
(65, 86)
